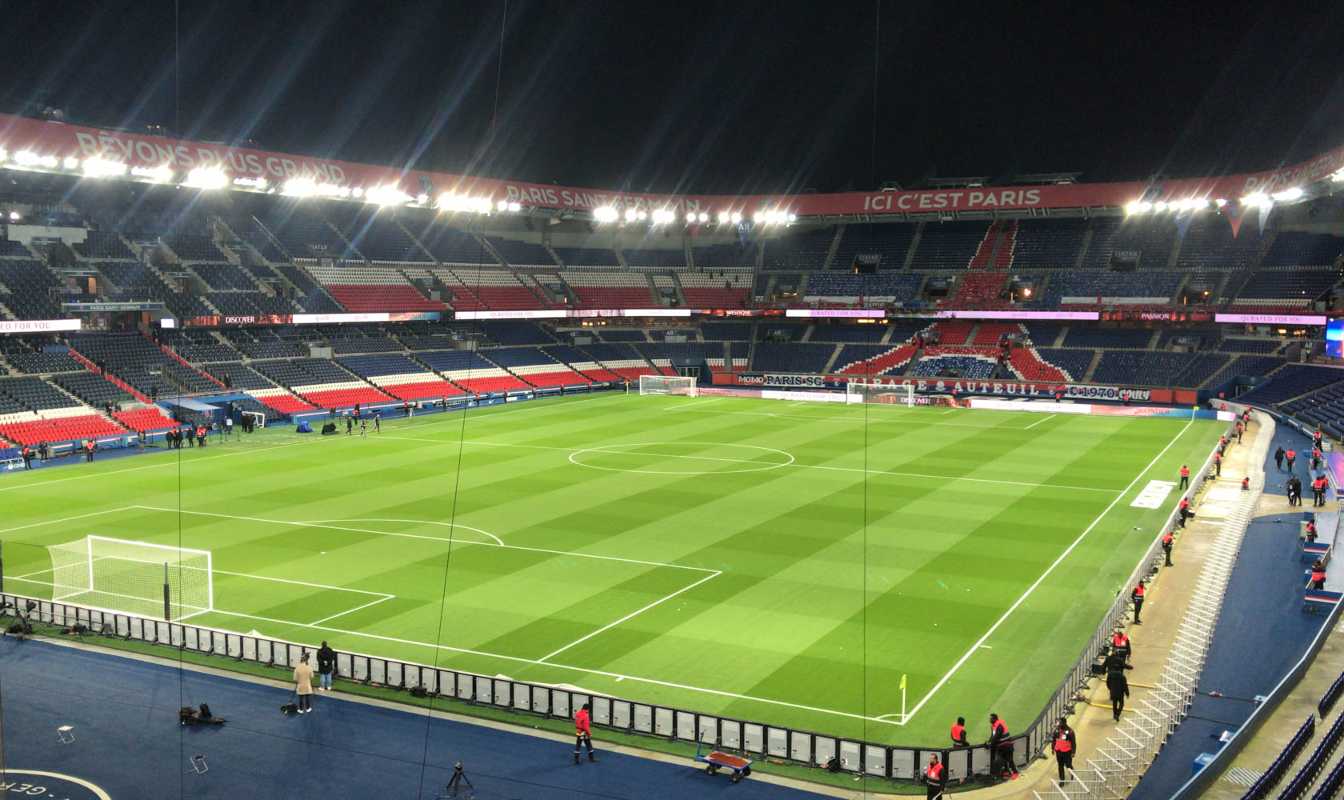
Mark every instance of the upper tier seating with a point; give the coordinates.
(1208, 242)
(589, 256)
(452, 245)
(1295, 288)
(224, 277)
(727, 331)
(715, 289)
(1088, 336)
(1052, 244)
(368, 287)
(1072, 362)
(192, 247)
(239, 376)
(732, 255)
(891, 241)
(846, 288)
(134, 281)
(1244, 366)
(1151, 239)
(377, 236)
(103, 245)
(521, 254)
(792, 357)
(140, 363)
(801, 250)
(312, 298)
(40, 362)
(1297, 249)
(948, 245)
(621, 359)
(1140, 368)
(938, 363)
(303, 234)
(668, 258)
(27, 289)
(609, 289)
(495, 289)
(1108, 287)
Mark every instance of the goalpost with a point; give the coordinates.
(859, 392)
(665, 384)
(258, 418)
(119, 575)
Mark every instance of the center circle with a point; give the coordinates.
(667, 450)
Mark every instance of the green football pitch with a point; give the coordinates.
(772, 561)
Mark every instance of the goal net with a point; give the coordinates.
(148, 580)
(859, 392)
(258, 418)
(663, 384)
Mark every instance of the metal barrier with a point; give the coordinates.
(761, 739)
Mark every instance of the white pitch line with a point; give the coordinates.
(693, 404)
(585, 670)
(382, 599)
(1035, 584)
(628, 617)
(440, 539)
(329, 587)
(1039, 421)
(896, 473)
(66, 519)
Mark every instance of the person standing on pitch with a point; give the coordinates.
(303, 684)
(326, 666)
(377, 422)
(583, 732)
(1137, 597)
(1065, 745)
(1168, 539)
(1278, 458)
(1117, 683)
(935, 777)
(1185, 476)
(1290, 457)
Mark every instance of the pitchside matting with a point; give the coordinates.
(779, 562)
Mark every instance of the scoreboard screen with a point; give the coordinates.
(1334, 338)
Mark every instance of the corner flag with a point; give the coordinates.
(902, 681)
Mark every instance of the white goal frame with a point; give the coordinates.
(173, 558)
(259, 418)
(668, 384)
(858, 392)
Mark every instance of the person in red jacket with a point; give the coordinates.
(1241, 428)
(1001, 749)
(1318, 575)
(935, 777)
(1168, 539)
(1315, 458)
(1218, 464)
(1185, 476)
(1318, 487)
(1290, 457)
(1065, 744)
(959, 733)
(1137, 596)
(583, 732)
(1183, 511)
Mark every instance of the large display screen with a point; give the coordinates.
(1334, 338)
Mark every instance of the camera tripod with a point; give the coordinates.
(459, 785)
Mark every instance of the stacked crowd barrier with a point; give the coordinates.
(1282, 762)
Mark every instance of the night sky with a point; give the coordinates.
(711, 97)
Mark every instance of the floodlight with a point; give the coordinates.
(723, 217)
(207, 178)
(515, 206)
(299, 187)
(1256, 199)
(70, 162)
(704, 216)
(605, 214)
(735, 217)
(422, 198)
(1220, 202)
(502, 205)
(388, 195)
(631, 214)
(160, 174)
(103, 168)
(1337, 176)
(1288, 195)
(664, 216)
(15, 216)
(250, 183)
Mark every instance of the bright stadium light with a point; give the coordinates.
(723, 217)
(27, 158)
(606, 214)
(160, 174)
(664, 216)
(388, 195)
(422, 198)
(103, 168)
(15, 216)
(1256, 200)
(704, 216)
(1220, 202)
(251, 183)
(631, 214)
(515, 206)
(4, 154)
(502, 205)
(299, 187)
(1160, 206)
(70, 162)
(1288, 195)
(207, 178)
(735, 217)
(1337, 176)
(357, 192)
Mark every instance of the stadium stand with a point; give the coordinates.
(948, 245)
(471, 371)
(400, 377)
(368, 287)
(718, 289)
(521, 253)
(890, 242)
(609, 289)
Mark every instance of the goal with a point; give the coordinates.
(663, 384)
(119, 575)
(859, 392)
(258, 418)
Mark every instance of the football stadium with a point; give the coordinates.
(348, 462)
